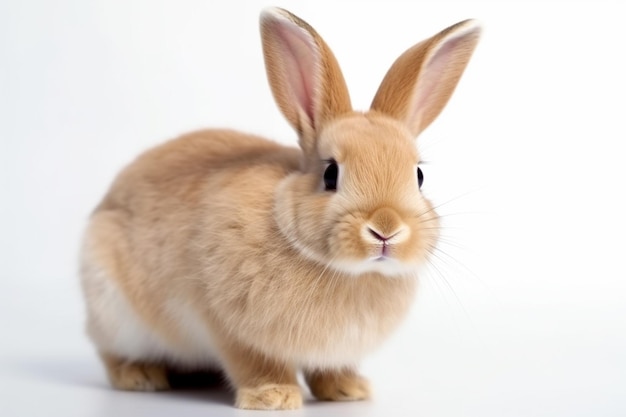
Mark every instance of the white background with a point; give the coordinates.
(523, 313)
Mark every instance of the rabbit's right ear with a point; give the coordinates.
(420, 82)
(304, 76)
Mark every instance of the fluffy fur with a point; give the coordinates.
(221, 250)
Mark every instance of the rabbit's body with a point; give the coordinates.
(226, 251)
(165, 286)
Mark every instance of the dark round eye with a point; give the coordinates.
(420, 177)
(330, 176)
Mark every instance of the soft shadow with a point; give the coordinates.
(201, 386)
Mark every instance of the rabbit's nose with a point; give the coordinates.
(377, 235)
(385, 226)
(386, 239)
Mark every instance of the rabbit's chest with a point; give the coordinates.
(341, 332)
(343, 342)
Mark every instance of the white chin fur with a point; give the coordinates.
(389, 267)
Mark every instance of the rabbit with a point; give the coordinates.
(224, 251)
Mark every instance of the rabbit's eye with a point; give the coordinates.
(420, 177)
(330, 176)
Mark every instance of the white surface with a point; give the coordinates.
(524, 314)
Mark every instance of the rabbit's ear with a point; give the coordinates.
(420, 82)
(304, 76)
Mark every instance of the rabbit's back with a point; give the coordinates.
(180, 169)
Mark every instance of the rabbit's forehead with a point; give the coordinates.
(362, 138)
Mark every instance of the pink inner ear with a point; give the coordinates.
(300, 58)
(432, 75)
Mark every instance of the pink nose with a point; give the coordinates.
(378, 236)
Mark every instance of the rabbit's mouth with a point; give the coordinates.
(384, 253)
(384, 250)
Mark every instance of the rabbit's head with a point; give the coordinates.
(356, 204)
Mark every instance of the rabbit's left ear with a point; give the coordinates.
(304, 76)
(420, 82)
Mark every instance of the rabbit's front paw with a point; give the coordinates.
(270, 397)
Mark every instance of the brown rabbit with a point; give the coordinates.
(221, 250)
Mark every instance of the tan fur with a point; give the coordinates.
(223, 250)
